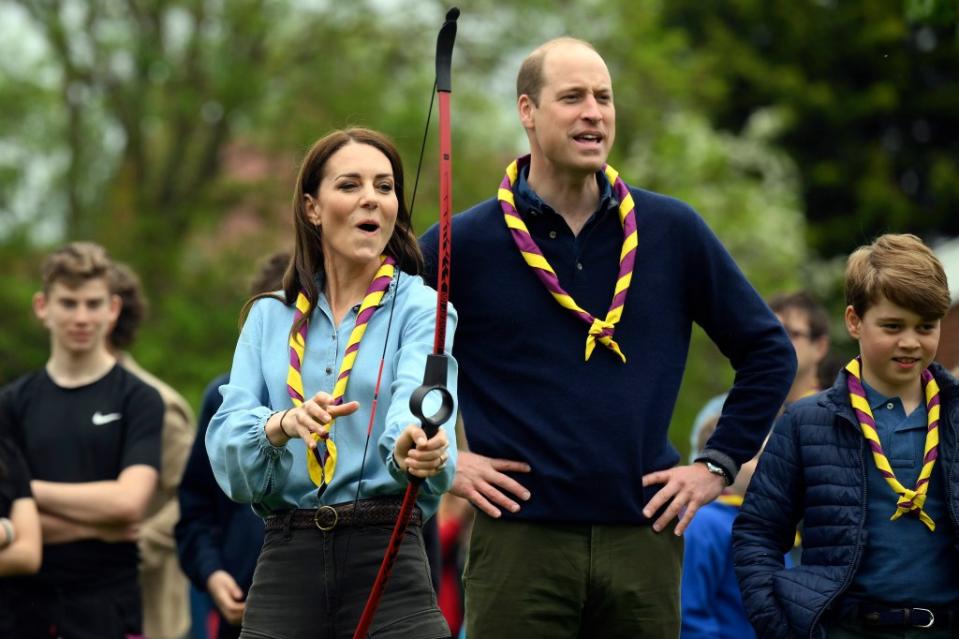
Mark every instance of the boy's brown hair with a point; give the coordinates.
(903, 270)
(133, 309)
(75, 264)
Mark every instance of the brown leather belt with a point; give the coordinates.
(326, 518)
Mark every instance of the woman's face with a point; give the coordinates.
(356, 205)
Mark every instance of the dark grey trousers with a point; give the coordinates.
(311, 584)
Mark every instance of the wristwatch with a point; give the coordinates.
(716, 469)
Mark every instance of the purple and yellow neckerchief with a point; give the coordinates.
(322, 464)
(599, 329)
(909, 500)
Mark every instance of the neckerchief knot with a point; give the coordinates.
(600, 329)
(603, 331)
(910, 500)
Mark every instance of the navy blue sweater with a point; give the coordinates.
(814, 470)
(591, 430)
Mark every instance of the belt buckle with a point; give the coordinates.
(326, 527)
(928, 624)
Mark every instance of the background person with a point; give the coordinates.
(166, 612)
(20, 543)
(90, 433)
(218, 540)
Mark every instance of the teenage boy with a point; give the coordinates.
(90, 434)
(871, 466)
(166, 606)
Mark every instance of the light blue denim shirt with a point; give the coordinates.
(250, 469)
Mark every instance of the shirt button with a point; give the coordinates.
(579, 266)
(328, 370)
(890, 405)
(552, 235)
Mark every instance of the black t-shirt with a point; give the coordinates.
(14, 485)
(14, 476)
(84, 434)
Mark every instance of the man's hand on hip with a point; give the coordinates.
(689, 487)
(482, 481)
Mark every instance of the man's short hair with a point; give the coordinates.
(902, 269)
(529, 80)
(802, 301)
(75, 264)
(133, 310)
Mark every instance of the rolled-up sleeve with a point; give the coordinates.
(246, 465)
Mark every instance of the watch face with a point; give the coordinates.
(716, 470)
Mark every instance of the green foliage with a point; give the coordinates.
(170, 131)
(872, 100)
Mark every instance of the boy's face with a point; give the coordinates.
(896, 345)
(79, 319)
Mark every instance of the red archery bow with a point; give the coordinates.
(434, 378)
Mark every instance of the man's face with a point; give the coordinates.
(79, 319)
(574, 124)
(809, 350)
(896, 345)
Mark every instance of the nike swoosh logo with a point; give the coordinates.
(99, 419)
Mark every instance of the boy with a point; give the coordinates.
(166, 613)
(90, 434)
(871, 467)
(712, 607)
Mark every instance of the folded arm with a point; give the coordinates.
(22, 555)
(120, 501)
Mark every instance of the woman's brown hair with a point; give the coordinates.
(307, 259)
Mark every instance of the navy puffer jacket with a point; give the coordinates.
(814, 468)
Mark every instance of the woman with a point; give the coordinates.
(291, 436)
(20, 546)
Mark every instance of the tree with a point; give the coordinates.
(871, 98)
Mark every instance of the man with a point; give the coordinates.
(166, 612)
(807, 325)
(571, 465)
(90, 434)
(219, 540)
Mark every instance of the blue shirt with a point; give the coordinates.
(712, 606)
(591, 429)
(903, 562)
(250, 469)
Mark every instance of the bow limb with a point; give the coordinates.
(437, 366)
